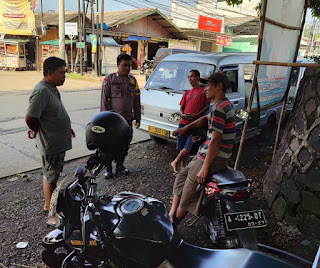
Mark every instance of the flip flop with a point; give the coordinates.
(54, 225)
(175, 174)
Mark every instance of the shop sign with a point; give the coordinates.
(80, 45)
(181, 45)
(273, 80)
(17, 17)
(209, 24)
(223, 40)
(71, 28)
(93, 38)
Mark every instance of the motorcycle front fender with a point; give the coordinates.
(53, 239)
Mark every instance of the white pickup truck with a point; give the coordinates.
(162, 93)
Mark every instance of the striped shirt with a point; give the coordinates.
(222, 119)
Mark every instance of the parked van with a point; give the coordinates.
(165, 52)
(163, 91)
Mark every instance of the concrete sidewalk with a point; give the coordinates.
(81, 99)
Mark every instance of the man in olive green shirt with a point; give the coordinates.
(50, 125)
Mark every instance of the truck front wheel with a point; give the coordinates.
(158, 140)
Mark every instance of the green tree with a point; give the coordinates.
(314, 5)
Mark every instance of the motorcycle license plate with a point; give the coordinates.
(159, 131)
(245, 220)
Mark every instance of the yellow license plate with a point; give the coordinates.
(159, 131)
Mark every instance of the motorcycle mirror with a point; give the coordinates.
(79, 171)
(242, 114)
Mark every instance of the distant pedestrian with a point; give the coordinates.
(120, 93)
(193, 105)
(50, 125)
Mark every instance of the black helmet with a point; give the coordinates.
(108, 132)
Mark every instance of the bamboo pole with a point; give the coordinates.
(286, 64)
(254, 84)
(284, 101)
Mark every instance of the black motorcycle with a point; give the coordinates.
(128, 229)
(230, 222)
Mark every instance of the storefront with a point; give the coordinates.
(13, 54)
(51, 49)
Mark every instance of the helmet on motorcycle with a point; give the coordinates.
(108, 132)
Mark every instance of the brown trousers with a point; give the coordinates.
(186, 184)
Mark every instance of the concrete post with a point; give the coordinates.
(62, 43)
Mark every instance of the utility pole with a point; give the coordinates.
(85, 35)
(80, 36)
(92, 32)
(101, 36)
(96, 59)
(62, 42)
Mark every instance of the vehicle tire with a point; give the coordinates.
(51, 259)
(269, 131)
(158, 139)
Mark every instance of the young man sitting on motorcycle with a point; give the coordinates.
(212, 155)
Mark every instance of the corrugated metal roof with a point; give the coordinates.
(114, 18)
(243, 25)
(53, 18)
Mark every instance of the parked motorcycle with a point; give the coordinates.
(133, 230)
(130, 230)
(146, 65)
(230, 222)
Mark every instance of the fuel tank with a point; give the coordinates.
(143, 229)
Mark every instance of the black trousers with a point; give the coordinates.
(121, 154)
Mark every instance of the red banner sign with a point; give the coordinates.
(209, 24)
(223, 40)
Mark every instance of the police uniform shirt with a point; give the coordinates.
(122, 95)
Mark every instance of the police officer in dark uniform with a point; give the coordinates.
(120, 93)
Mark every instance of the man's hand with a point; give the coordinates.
(136, 123)
(31, 134)
(180, 131)
(202, 175)
(190, 117)
(73, 135)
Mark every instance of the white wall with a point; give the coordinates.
(223, 9)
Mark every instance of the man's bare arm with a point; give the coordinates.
(213, 149)
(33, 123)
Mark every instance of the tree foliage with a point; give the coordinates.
(314, 5)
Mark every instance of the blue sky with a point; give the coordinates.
(114, 5)
(72, 5)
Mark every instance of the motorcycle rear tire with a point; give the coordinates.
(247, 237)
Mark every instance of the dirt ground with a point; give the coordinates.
(22, 218)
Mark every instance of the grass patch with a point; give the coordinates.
(74, 76)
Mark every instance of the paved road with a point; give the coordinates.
(81, 98)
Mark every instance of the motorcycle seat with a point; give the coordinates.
(230, 178)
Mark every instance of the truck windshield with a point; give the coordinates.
(174, 75)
